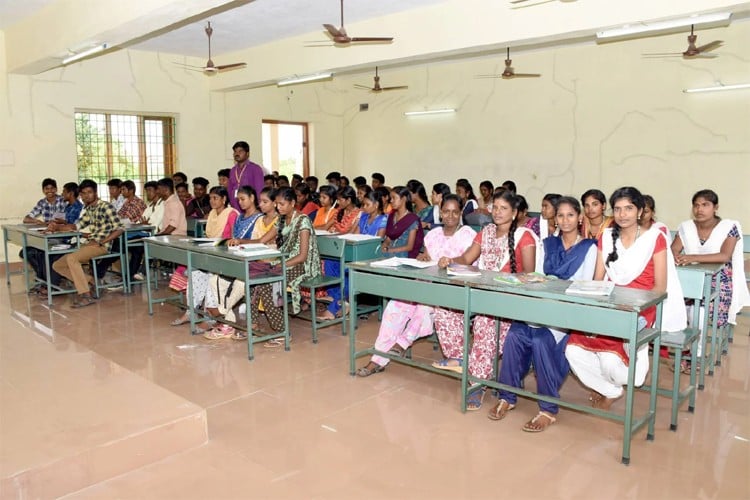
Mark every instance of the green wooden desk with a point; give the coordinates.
(196, 227)
(217, 260)
(700, 275)
(546, 303)
(25, 236)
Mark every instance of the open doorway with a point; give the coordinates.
(285, 147)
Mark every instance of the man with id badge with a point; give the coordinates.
(243, 173)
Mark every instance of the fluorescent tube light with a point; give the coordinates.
(718, 19)
(430, 112)
(85, 53)
(718, 87)
(304, 79)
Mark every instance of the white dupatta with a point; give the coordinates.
(692, 246)
(630, 264)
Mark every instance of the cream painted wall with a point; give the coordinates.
(601, 116)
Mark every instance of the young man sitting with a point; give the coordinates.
(133, 208)
(199, 206)
(115, 193)
(100, 225)
(44, 211)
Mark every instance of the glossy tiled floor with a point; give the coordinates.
(296, 425)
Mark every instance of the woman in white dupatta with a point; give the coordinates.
(634, 259)
(709, 239)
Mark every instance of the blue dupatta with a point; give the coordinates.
(564, 263)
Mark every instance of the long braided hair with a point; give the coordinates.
(288, 195)
(636, 198)
(346, 193)
(510, 198)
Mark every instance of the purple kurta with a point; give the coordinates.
(247, 174)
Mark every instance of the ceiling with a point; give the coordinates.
(275, 31)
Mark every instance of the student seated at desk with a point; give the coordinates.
(116, 199)
(155, 208)
(200, 205)
(567, 257)
(707, 238)
(255, 224)
(347, 217)
(305, 199)
(422, 206)
(594, 219)
(173, 219)
(405, 322)
(101, 225)
(295, 237)
(325, 217)
(500, 246)
(403, 231)
(634, 259)
(219, 225)
(438, 191)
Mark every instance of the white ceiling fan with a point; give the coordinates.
(210, 68)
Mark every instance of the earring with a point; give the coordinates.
(639, 217)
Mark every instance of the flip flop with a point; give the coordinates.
(365, 372)
(239, 335)
(475, 399)
(528, 425)
(443, 365)
(274, 343)
(219, 332)
(83, 301)
(500, 410)
(180, 321)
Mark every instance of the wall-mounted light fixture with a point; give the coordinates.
(430, 112)
(304, 79)
(632, 30)
(718, 87)
(85, 53)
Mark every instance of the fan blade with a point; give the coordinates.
(333, 30)
(231, 66)
(661, 54)
(187, 65)
(372, 39)
(488, 76)
(363, 87)
(399, 87)
(526, 75)
(710, 46)
(518, 1)
(701, 56)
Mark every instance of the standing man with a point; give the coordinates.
(173, 221)
(243, 173)
(102, 225)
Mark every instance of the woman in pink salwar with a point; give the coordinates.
(405, 322)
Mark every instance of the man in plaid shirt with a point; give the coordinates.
(47, 207)
(100, 225)
(133, 207)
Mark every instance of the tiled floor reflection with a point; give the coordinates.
(296, 425)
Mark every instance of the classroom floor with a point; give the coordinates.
(109, 402)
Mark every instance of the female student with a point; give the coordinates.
(523, 216)
(594, 221)
(219, 225)
(486, 190)
(707, 238)
(547, 215)
(466, 193)
(438, 191)
(403, 231)
(630, 258)
(648, 219)
(295, 237)
(500, 246)
(405, 322)
(568, 257)
(363, 191)
(326, 215)
(373, 220)
(305, 203)
(348, 214)
(422, 206)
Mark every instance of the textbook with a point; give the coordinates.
(252, 249)
(522, 278)
(590, 287)
(401, 261)
(358, 237)
(462, 270)
(211, 242)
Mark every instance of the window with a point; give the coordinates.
(135, 147)
(285, 147)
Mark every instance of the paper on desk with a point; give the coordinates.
(401, 261)
(358, 237)
(322, 232)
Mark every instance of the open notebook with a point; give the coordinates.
(590, 287)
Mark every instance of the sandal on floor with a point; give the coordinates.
(500, 410)
(274, 343)
(326, 316)
(445, 364)
(219, 332)
(474, 400)
(83, 301)
(542, 420)
(366, 372)
(397, 350)
(239, 335)
(180, 321)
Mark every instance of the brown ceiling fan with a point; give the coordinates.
(341, 38)
(509, 73)
(376, 87)
(692, 51)
(210, 68)
(514, 2)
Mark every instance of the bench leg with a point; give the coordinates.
(676, 388)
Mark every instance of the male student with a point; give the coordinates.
(46, 208)
(243, 173)
(115, 193)
(173, 221)
(296, 179)
(223, 176)
(179, 178)
(133, 207)
(100, 225)
(378, 180)
(334, 179)
(199, 206)
(155, 209)
(312, 183)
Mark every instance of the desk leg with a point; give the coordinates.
(715, 359)
(704, 331)
(48, 270)
(353, 275)
(25, 263)
(126, 271)
(465, 357)
(149, 296)
(655, 376)
(629, 396)
(191, 313)
(7, 262)
(248, 315)
(285, 307)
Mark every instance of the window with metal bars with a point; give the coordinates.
(133, 147)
